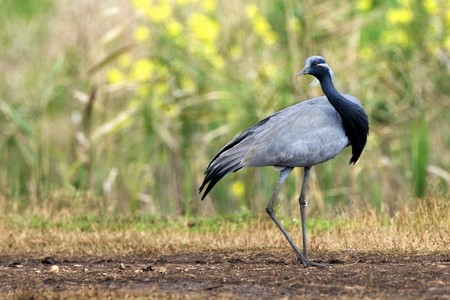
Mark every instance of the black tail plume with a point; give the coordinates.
(215, 172)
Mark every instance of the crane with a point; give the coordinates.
(302, 135)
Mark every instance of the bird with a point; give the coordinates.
(302, 135)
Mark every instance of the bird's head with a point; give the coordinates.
(317, 67)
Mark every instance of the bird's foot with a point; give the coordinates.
(309, 263)
(318, 265)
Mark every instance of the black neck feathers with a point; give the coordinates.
(354, 118)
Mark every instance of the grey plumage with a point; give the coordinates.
(302, 135)
(307, 133)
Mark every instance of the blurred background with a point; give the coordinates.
(117, 107)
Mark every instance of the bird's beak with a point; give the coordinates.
(302, 72)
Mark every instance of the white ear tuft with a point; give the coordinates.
(314, 83)
(330, 70)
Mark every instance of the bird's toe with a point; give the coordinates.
(310, 263)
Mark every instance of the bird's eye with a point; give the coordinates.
(315, 63)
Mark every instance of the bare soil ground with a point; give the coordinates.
(232, 273)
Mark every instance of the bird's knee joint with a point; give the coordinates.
(303, 203)
(269, 210)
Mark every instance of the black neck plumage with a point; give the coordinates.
(354, 118)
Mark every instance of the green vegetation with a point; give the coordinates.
(115, 108)
(93, 223)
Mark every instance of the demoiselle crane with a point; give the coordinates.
(302, 135)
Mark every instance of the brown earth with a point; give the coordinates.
(254, 274)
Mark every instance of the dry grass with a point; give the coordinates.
(422, 229)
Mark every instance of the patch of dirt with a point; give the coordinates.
(227, 274)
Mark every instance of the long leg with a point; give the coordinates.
(303, 203)
(269, 209)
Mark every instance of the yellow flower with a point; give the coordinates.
(209, 5)
(251, 11)
(431, 6)
(237, 189)
(160, 12)
(203, 28)
(174, 28)
(365, 5)
(261, 25)
(141, 33)
(114, 75)
(399, 16)
(142, 70)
